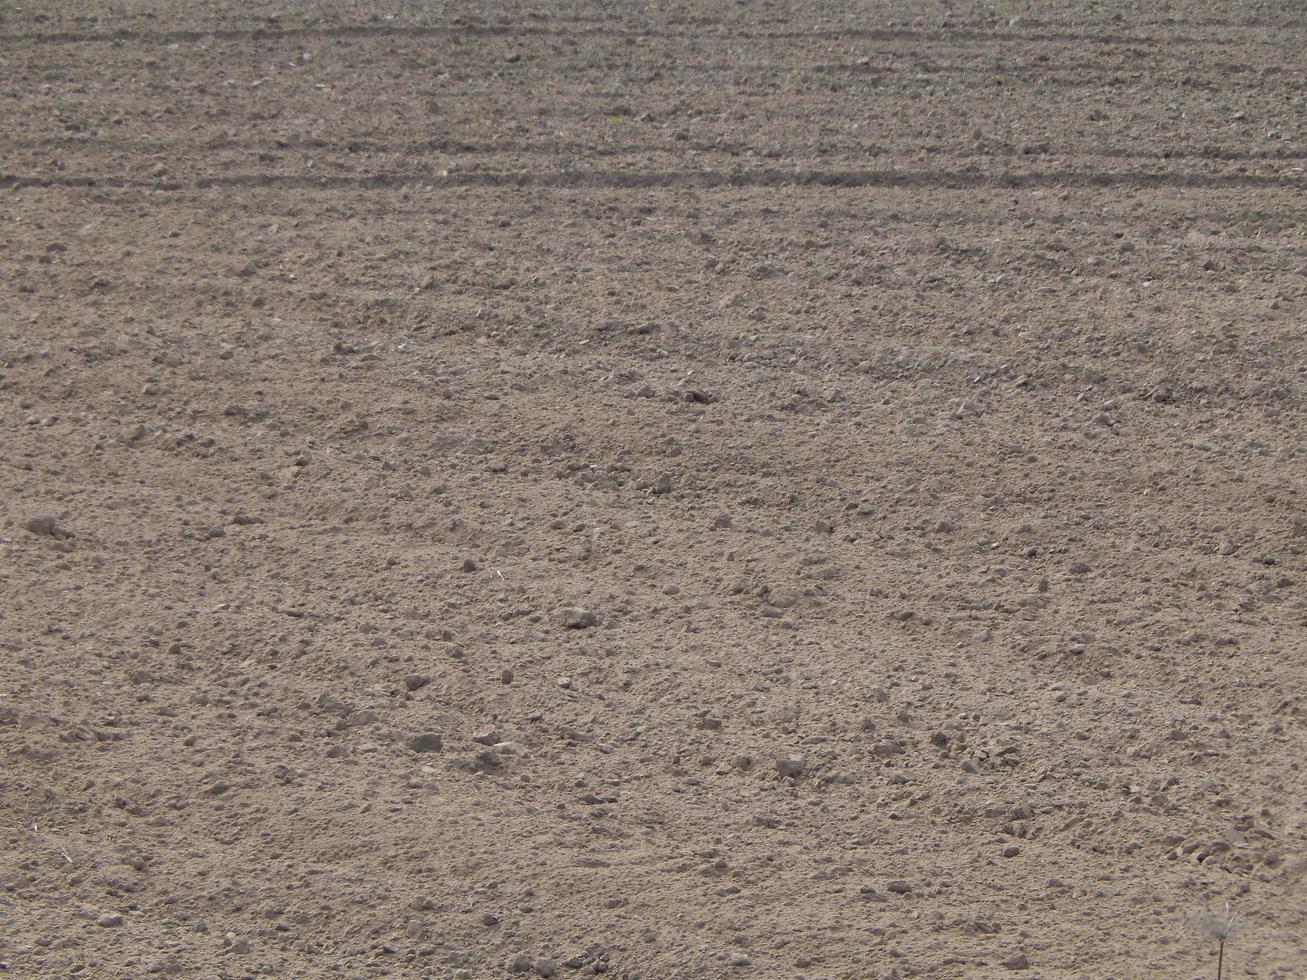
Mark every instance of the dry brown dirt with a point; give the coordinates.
(905, 399)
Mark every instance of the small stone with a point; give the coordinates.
(109, 920)
(546, 967)
(739, 959)
(1079, 568)
(488, 738)
(469, 565)
(939, 739)
(565, 683)
(1017, 961)
(576, 618)
(970, 765)
(900, 887)
(357, 719)
(489, 919)
(791, 766)
(44, 526)
(520, 963)
(886, 747)
(722, 522)
(1011, 851)
(663, 484)
(506, 677)
(415, 681)
(430, 742)
(235, 944)
(329, 704)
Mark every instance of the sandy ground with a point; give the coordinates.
(703, 490)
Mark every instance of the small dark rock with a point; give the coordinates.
(46, 527)
(576, 618)
(791, 766)
(429, 742)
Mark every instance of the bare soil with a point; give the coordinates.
(675, 491)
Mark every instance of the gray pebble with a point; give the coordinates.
(576, 618)
(886, 747)
(45, 526)
(791, 766)
(430, 742)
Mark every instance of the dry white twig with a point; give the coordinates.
(1215, 925)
